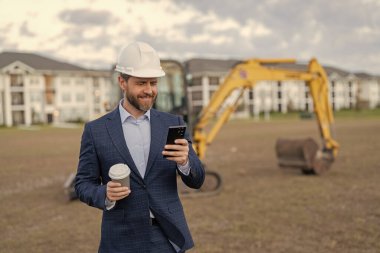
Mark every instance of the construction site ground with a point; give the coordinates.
(261, 208)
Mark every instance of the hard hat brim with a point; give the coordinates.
(146, 73)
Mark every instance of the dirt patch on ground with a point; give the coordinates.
(261, 208)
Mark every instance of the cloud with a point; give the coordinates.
(24, 30)
(345, 34)
(87, 17)
(95, 37)
(241, 11)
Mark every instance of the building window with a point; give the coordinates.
(80, 97)
(34, 80)
(197, 95)
(18, 117)
(306, 91)
(197, 109)
(66, 97)
(49, 96)
(279, 92)
(16, 80)
(35, 97)
(65, 81)
(17, 98)
(262, 93)
(213, 80)
(196, 81)
(251, 94)
(350, 91)
(79, 81)
(96, 82)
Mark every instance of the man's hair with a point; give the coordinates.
(125, 76)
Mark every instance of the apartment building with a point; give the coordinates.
(346, 90)
(35, 89)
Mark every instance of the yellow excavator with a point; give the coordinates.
(304, 154)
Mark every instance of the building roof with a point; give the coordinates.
(340, 72)
(214, 65)
(36, 61)
(364, 75)
(218, 65)
(304, 66)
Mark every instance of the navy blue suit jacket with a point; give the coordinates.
(126, 227)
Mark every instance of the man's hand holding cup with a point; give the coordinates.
(119, 187)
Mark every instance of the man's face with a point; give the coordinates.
(140, 93)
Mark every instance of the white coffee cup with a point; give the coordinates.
(120, 173)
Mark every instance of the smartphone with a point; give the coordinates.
(175, 132)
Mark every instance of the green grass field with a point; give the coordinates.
(261, 208)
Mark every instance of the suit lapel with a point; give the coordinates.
(115, 131)
(157, 133)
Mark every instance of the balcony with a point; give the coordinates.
(17, 98)
(17, 81)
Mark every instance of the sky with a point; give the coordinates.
(90, 33)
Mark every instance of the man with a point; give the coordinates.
(149, 216)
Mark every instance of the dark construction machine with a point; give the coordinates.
(304, 154)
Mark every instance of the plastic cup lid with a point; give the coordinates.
(119, 171)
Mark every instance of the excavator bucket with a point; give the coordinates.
(303, 154)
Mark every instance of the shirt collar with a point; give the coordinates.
(124, 114)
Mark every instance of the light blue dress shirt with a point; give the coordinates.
(137, 136)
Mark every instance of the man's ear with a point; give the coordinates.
(122, 82)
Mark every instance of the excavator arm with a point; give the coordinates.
(244, 76)
(319, 91)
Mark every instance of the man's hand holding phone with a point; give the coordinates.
(177, 147)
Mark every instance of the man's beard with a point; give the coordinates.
(135, 103)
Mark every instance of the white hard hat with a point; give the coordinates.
(140, 60)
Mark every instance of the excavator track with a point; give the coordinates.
(211, 186)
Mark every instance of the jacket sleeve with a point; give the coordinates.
(88, 185)
(197, 173)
